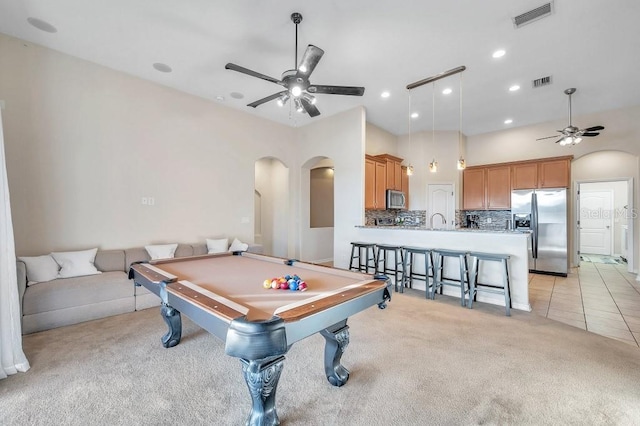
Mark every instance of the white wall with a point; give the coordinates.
(379, 141)
(342, 138)
(272, 181)
(85, 143)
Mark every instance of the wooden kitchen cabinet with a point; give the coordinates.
(473, 188)
(394, 171)
(498, 188)
(554, 173)
(551, 173)
(524, 176)
(375, 178)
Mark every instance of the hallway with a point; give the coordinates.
(600, 296)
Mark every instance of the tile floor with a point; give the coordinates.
(599, 297)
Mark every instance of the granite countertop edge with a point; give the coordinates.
(423, 228)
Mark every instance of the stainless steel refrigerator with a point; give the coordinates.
(544, 213)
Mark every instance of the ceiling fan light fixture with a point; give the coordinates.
(282, 100)
(296, 91)
(298, 105)
(309, 98)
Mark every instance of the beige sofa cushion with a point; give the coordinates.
(110, 260)
(68, 292)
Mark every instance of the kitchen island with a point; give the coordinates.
(512, 243)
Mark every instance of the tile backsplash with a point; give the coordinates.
(484, 219)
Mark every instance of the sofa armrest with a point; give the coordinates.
(21, 272)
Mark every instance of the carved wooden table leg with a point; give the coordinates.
(174, 322)
(262, 380)
(337, 339)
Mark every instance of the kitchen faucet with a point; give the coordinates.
(444, 221)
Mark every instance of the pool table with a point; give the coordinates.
(224, 294)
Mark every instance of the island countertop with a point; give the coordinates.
(509, 242)
(426, 228)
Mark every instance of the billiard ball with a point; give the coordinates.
(266, 284)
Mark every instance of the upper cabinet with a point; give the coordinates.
(499, 188)
(473, 189)
(489, 187)
(394, 171)
(375, 183)
(383, 172)
(486, 188)
(524, 176)
(554, 173)
(548, 173)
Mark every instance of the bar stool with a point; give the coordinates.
(440, 280)
(490, 288)
(410, 272)
(397, 269)
(365, 255)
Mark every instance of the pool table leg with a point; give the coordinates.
(336, 341)
(262, 379)
(172, 317)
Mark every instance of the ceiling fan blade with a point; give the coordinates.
(310, 108)
(267, 99)
(252, 73)
(548, 137)
(593, 129)
(336, 90)
(560, 140)
(309, 61)
(590, 134)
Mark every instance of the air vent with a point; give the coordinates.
(533, 15)
(544, 81)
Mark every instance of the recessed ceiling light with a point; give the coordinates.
(220, 98)
(162, 67)
(236, 95)
(514, 88)
(498, 53)
(385, 94)
(42, 25)
(447, 91)
(508, 121)
(415, 115)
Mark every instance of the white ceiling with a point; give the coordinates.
(593, 45)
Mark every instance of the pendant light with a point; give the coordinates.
(410, 167)
(461, 162)
(433, 165)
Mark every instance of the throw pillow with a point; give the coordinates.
(217, 246)
(76, 263)
(40, 268)
(161, 251)
(238, 245)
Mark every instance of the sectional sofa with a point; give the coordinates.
(65, 301)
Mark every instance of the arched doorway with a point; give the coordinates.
(317, 211)
(271, 206)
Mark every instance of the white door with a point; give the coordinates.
(596, 219)
(441, 202)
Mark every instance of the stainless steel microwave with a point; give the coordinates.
(395, 200)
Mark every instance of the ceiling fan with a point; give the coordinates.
(571, 135)
(296, 82)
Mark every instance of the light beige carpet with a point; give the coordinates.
(417, 362)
